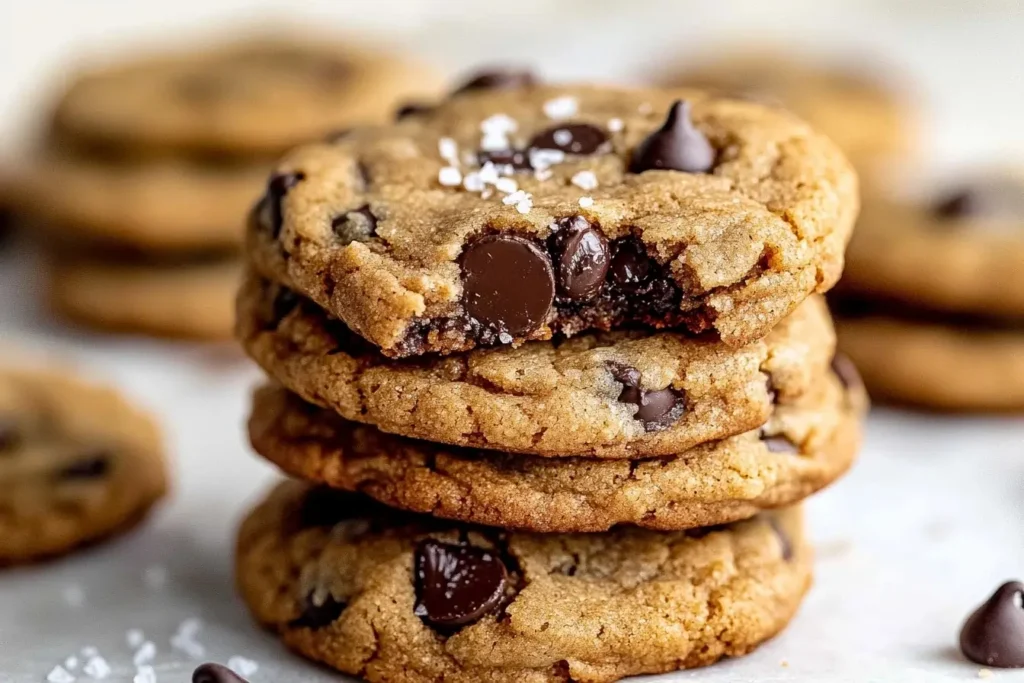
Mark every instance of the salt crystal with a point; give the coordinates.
(155, 577)
(489, 173)
(71, 663)
(448, 150)
(561, 107)
(494, 142)
(513, 198)
(242, 666)
(74, 596)
(543, 174)
(134, 637)
(524, 205)
(562, 137)
(472, 182)
(59, 675)
(586, 202)
(506, 185)
(145, 654)
(90, 651)
(585, 180)
(545, 158)
(449, 176)
(505, 338)
(96, 667)
(498, 124)
(615, 125)
(145, 674)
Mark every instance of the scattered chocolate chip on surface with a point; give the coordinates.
(215, 673)
(994, 634)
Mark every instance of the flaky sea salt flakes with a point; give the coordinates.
(489, 173)
(525, 204)
(505, 338)
(473, 182)
(74, 595)
(499, 124)
(449, 176)
(71, 663)
(513, 198)
(449, 150)
(545, 158)
(134, 637)
(561, 107)
(506, 185)
(90, 651)
(184, 639)
(562, 137)
(543, 174)
(145, 674)
(59, 675)
(615, 125)
(145, 654)
(96, 668)
(585, 180)
(155, 577)
(242, 666)
(586, 202)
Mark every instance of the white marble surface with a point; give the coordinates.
(926, 525)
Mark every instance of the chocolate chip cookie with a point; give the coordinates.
(931, 307)
(801, 449)
(153, 206)
(188, 298)
(612, 395)
(391, 597)
(863, 113)
(250, 98)
(508, 215)
(77, 464)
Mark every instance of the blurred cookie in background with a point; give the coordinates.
(931, 306)
(856, 107)
(78, 464)
(142, 185)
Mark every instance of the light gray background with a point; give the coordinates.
(927, 524)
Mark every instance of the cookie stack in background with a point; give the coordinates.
(148, 166)
(552, 371)
(931, 305)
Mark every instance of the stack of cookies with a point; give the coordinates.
(552, 373)
(148, 166)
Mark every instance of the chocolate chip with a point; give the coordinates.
(584, 259)
(268, 211)
(957, 205)
(846, 371)
(779, 444)
(998, 199)
(508, 282)
(10, 435)
(216, 673)
(630, 266)
(498, 79)
(457, 584)
(324, 507)
(657, 409)
(676, 146)
(318, 612)
(994, 634)
(285, 302)
(518, 160)
(412, 109)
(355, 226)
(573, 138)
(92, 466)
(784, 541)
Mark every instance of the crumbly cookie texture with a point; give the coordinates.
(610, 395)
(77, 464)
(390, 597)
(153, 206)
(255, 97)
(960, 253)
(193, 300)
(935, 365)
(800, 450)
(865, 115)
(508, 215)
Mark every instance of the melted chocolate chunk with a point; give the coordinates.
(457, 584)
(355, 226)
(517, 159)
(268, 211)
(571, 138)
(216, 673)
(92, 466)
(498, 79)
(10, 435)
(412, 109)
(657, 409)
(994, 634)
(631, 266)
(784, 541)
(779, 444)
(318, 614)
(676, 146)
(508, 283)
(324, 507)
(584, 258)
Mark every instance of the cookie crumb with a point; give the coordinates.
(243, 666)
(59, 675)
(561, 107)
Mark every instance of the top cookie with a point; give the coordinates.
(961, 253)
(507, 215)
(859, 111)
(257, 97)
